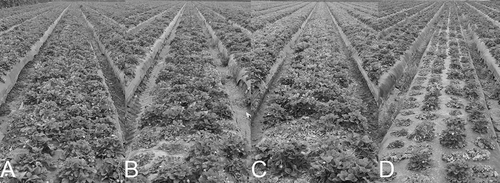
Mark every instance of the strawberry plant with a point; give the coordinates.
(400, 133)
(454, 89)
(455, 104)
(423, 132)
(396, 144)
(402, 122)
(455, 113)
(420, 160)
(477, 154)
(453, 138)
(458, 172)
(484, 143)
(427, 116)
(407, 112)
(289, 161)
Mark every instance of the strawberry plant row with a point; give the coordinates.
(131, 54)
(268, 45)
(452, 114)
(239, 43)
(387, 9)
(65, 126)
(492, 16)
(484, 36)
(265, 5)
(144, 19)
(406, 120)
(19, 10)
(310, 108)
(371, 6)
(262, 21)
(410, 39)
(22, 44)
(136, 22)
(492, 5)
(357, 37)
(361, 16)
(489, 38)
(388, 23)
(156, 33)
(491, 13)
(361, 8)
(188, 122)
(246, 31)
(233, 43)
(237, 12)
(122, 12)
(274, 9)
(11, 22)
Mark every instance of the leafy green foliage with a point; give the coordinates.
(421, 160)
(458, 172)
(211, 159)
(76, 170)
(342, 165)
(453, 138)
(400, 133)
(484, 143)
(423, 132)
(396, 144)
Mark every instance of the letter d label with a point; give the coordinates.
(133, 169)
(382, 172)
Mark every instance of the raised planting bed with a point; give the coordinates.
(20, 46)
(67, 122)
(452, 140)
(315, 89)
(189, 121)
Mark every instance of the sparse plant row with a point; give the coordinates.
(384, 23)
(188, 123)
(414, 127)
(238, 12)
(391, 8)
(478, 120)
(20, 10)
(465, 145)
(11, 21)
(17, 43)
(65, 126)
(392, 46)
(427, 53)
(122, 13)
(128, 51)
(260, 22)
(274, 9)
(315, 100)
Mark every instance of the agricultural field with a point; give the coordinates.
(260, 92)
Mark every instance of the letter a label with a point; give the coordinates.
(5, 171)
